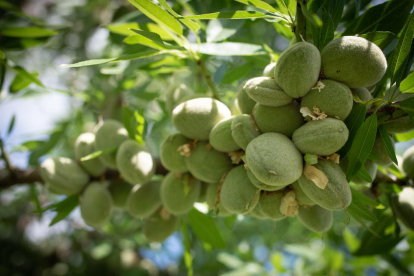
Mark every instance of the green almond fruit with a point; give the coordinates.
(336, 195)
(297, 69)
(179, 192)
(238, 194)
(269, 70)
(384, 159)
(158, 228)
(85, 145)
(135, 163)
(96, 204)
(170, 155)
(282, 119)
(176, 95)
(243, 130)
(257, 212)
(321, 137)
(300, 195)
(207, 164)
(195, 118)
(363, 94)
(408, 162)
(213, 200)
(244, 101)
(403, 206)
(270, 204)
(144, 200)
(334, 98)
(266, 91)
(120, 191)
(274, 159)
(256, 182)
(109, 135)
(354, 61)
(221, 138)
(63, 176)
(203, 192)
(315, 218)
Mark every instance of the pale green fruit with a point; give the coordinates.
(401, 124)
(354, 61)
(206, 163)
(335, 99)
(274, 159)
(297, 69)
(321, 137)
(120, 191)
(282, 119)
(96, 204)
(63, 175)
(257, 212)
(221, 138)
(315, 218)
(270, 204)
(234, 107)
(363, 94)
(213, 200)
(243, 130)
(203, 192)
(256, 182)
(85, 145)
(244, 102)
(175, 95)
(135, 163)
(195, 118)
(266, 91)
(369, 165)
(179, 192)
(300, 195)
(269, 70)
(109, 135)
(144, 200)
(238, 194)
(403, 206)
(408, 162)
(158, 227)
(379, 149)
(337, 193)
(170, 155)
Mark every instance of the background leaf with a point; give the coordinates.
(381, 39)
(218, 30)
(205, 228)
(230, 49)
(64, 208)
(26, 32)
(228, 15)
(387, 143)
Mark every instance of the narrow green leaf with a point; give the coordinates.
(125, 29)
(187, 248)
(158, 15)
(2, 74)
(154, 37)
(229, 15)
(381, 39)
(26, 32)
(311, 17)
(359, 210)
(95, 154)
(205, 228)
(387, 143)
(35, 199)
(11, 124)
(64, 208)
(284, 5)
(134, 123)
(194, 26)
(2, 55)
(27, 76)
(221, 29)
(138, 39)
(236, 73)
(407, 85)
(363, 198)
(408, 106)
(229, 49)
(20, 82)
(364, 175)
(258, 4)
(373, 156)
(361, 146)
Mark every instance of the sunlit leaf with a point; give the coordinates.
(229, 49)
(205, 228)
(95, 154)
(407, 85)
(26, 32)
(259, 4)
(64, 208)
(381, 39)
(229, 15)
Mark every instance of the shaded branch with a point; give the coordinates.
(300, 28)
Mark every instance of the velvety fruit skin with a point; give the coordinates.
(179, 192)
(321, 137)
(316, 218)
(195, 118)
(175, 95)
(243, 130)
(379, 149)
(270, 204)
(203, 192)
(403, 206)
(399, 125)
(257, 212)
(170, 156)
(266, 91)
(213, 200)
(269, 70)
(158, 229)
(238, 194)
(297, 69)
(335, 99)
(120, 191)
(144, 200)
(274, 159)
(282, 119)
(221, 138)
(408, 162)
(207, 164)
(244, 101)
(63, 175)
(300, 195)
(253, 179)
(85, 145)
(337, 193)
(369, 165)
(363, 94)
(96, 204)
(110, 134)
(354, 61)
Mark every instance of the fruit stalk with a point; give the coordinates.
(207, 76)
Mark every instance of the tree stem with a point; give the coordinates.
(300, 29)
(5, 157)
(209, 81)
